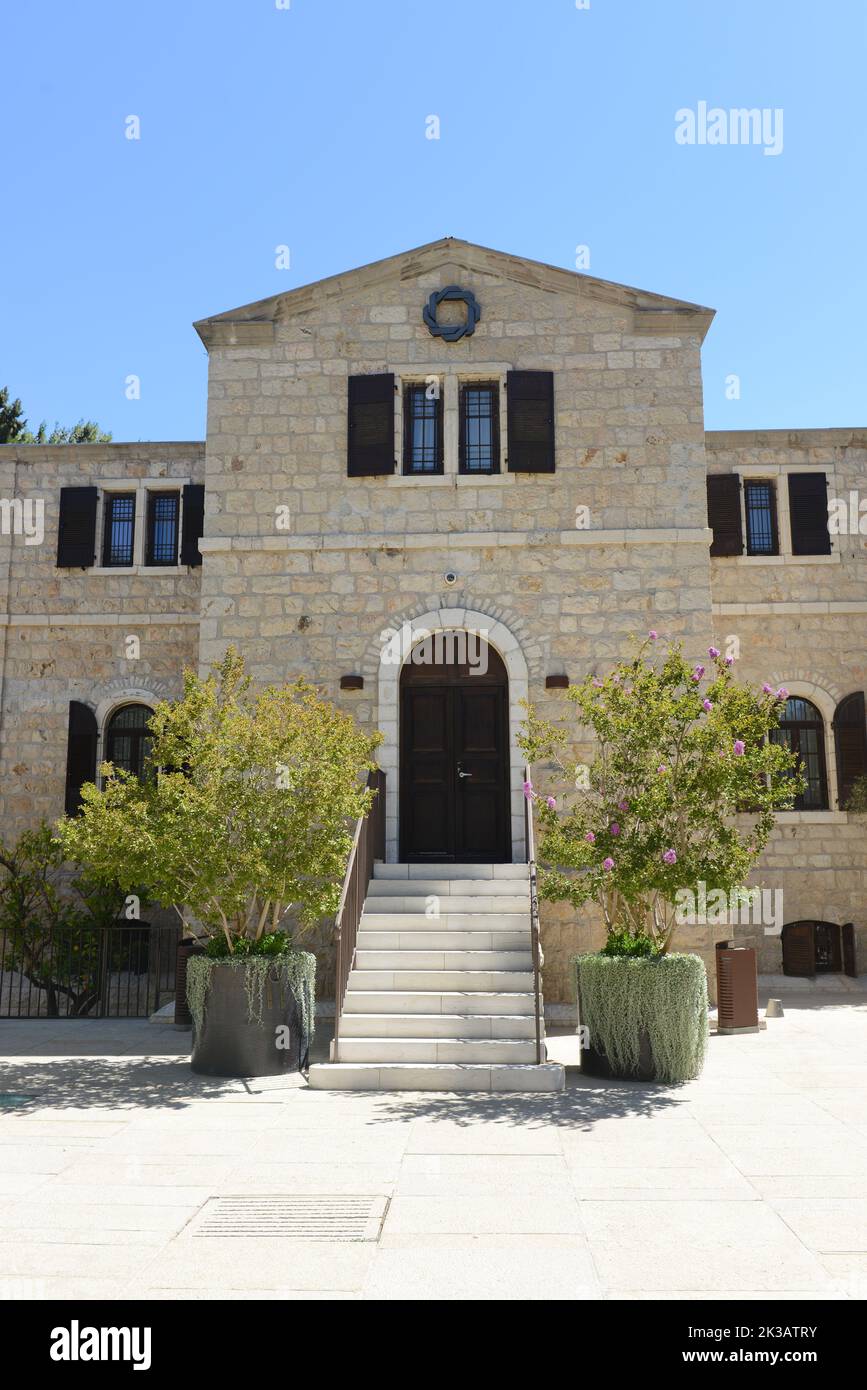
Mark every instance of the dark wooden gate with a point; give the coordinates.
(818, 948)
(799, 949)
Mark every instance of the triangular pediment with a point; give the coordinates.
(652, 313)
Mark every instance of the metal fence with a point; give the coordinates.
(126, 970)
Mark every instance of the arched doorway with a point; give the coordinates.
(454, 752)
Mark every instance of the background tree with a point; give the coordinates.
(682, 789)
(12, 420)
(13, 428)
(85, 432)
(49, 923)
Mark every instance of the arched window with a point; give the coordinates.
(802, 729)
(128, 739)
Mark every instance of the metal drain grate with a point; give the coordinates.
(305, 1217)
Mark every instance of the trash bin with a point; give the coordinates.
(737, 988)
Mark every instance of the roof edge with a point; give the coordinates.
(253, 324)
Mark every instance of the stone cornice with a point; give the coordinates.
(785, 608)
(465, 540)
(839, 438)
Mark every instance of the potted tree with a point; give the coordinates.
(242, 824)
(677, 801)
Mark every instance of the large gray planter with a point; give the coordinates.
(227, 1041)
(647, 1017)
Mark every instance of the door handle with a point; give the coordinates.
(461, 772)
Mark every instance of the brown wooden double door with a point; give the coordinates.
(454, 786)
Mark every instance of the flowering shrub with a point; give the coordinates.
(684, 788)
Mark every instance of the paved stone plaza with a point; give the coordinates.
(748, 1183)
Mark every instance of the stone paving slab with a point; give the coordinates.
(606, 1191)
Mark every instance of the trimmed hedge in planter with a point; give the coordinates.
(646, 1016)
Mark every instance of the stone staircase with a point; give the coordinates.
(440, 997)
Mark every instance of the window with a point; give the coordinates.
(760, 506)
(479, 427)
(128, 739)
(802, 729)
(119, 534)
(422, 430)
(162, 535)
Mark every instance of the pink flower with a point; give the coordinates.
(706, 704)
(669, 857)
(662, 768)
(528, 791)
(653, 634)
(713, 651)
(608, 865)
(740, 747)
(590, 838)
(614, 828)
(729, 660)
(551, 803)
(623, 805)
(767, 688)
(781, 694)
(597, 682)
(698, 673)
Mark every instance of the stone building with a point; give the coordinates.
(450, 440)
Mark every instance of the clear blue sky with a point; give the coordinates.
(306, 127)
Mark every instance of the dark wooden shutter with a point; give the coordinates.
(850, 742)
(193, 523)
(808, 511)
(530, 401)
(799, 949)
(80, 753)
(850, 965)
(724, 513)
(76, 531)
(371, 425)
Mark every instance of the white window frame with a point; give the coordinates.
(778, 474)
(451, 379)
(140, 487)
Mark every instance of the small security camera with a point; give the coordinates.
(450, 577)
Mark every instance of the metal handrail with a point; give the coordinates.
(535, 937)
(368, 845)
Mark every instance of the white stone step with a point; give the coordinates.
(506, 981)
(443, 960)
(447, 921)
(450, 887)
(437, 1050)
(494, 1026)
(486, 871)
(447, 903)
(433, 1001)
(443, 940)
(439, 1076)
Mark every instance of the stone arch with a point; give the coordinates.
(826, 703)
(393, 653)
(118, 697)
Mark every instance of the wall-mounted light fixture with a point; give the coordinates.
(352, 682)
(558, 682)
